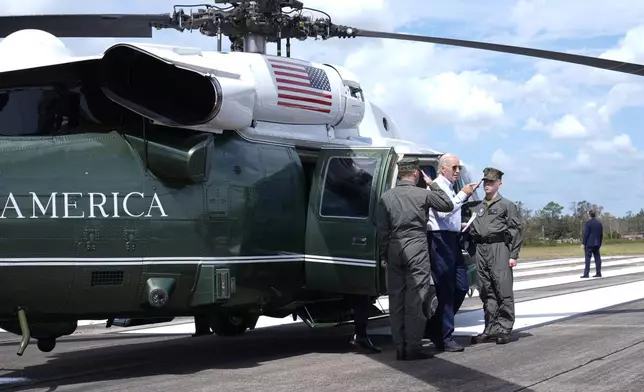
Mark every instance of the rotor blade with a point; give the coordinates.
(88, 25)
(611, 65)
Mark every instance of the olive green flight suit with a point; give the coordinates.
(497, 233)
(402, 238)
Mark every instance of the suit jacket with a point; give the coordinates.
(593, 233)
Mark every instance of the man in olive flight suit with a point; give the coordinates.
(402, 225)
(497, 233)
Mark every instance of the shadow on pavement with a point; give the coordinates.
(74, 365)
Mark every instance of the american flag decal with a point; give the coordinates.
(301, 86)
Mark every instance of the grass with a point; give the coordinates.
(565, 251)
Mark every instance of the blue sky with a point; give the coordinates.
(560, 132)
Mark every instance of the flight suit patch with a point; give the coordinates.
(493, 211)
(481, 211)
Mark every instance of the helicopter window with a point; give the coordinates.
(356, 92)
(347, 187)
(42, 111)
(430, 170)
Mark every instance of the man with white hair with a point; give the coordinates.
(447, 263)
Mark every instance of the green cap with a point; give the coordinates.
(408, 164)
(490, 173)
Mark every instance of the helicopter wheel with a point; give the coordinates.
(46, 344)
(470, 292)
(229, 324)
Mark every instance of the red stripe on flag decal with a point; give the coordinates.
(304, 107)
(301, 86)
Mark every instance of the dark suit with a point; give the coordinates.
(593, 235)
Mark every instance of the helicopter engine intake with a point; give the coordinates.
(155, 88)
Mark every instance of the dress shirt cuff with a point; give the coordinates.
(461, 195)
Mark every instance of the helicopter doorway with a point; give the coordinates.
(341, 252)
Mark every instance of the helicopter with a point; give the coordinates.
(153, 181)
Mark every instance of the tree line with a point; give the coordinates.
(553, 224)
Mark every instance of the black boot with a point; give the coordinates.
(482, 338)
(415, 355)
(364, 343)
(202, 326)
(503, 338)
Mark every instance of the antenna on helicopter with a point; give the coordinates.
(250, 24)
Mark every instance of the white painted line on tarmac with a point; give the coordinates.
(551, 309)
(580, 267)
(560, 262)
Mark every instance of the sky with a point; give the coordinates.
(560, 132)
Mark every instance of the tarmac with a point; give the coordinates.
(572, 335)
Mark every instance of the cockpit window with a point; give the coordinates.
(42, 111)
(58, 100)
(356, 92)
(37, 111)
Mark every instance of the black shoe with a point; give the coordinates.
(449, 346)
(482, 338)
(584, 276)
(597, 276)
(503, 338)
(363, 342)
(414, 355)
(400, 355)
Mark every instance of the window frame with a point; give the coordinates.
(323, 182)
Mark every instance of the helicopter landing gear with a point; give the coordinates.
(470, 292)
(227, 324)
(46, 344)
(24, 329)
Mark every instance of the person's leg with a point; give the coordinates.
(503, 283)
(587, 254)
(360, 339)
(462, 283)
(417, 290)
(444, 271)
(598, 261)
(396, 289)
(487, 294)
(202, 326)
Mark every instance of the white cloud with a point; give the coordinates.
(568, 127)
(514, 168)
(459, 99)
(619, 144)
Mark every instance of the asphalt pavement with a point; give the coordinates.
(597, 351)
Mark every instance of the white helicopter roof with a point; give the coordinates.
(377, 128)
(30, 48)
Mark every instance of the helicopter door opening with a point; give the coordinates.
(341, 247)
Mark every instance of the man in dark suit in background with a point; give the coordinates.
(593, 235)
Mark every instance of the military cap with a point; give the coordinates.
(490, 173)
(408, 164)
